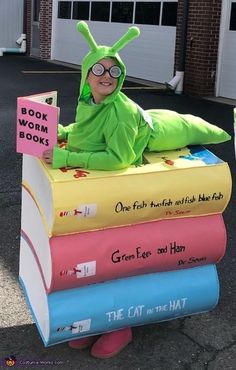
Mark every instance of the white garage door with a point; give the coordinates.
(11, 22)
(227, 57)
(149, 57)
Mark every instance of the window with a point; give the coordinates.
(147, 13)
(122, 12)
(64, 9)
(100, 11)
(169, 13)
(232, 25)
(81, 10)
(36, 8)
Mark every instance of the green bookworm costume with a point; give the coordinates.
(114, 134)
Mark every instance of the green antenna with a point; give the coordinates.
(83, 28)
(131, 34)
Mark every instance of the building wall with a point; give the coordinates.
(202, 40)
(201, 47)
(28, 25)
(45, 28)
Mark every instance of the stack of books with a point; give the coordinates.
(103, 250)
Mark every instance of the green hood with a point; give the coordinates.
(98, 52)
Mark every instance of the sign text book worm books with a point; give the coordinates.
(36, 123)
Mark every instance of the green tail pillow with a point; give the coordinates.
(173, 130)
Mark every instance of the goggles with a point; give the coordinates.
(99, 70)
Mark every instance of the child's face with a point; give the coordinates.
(104, 85)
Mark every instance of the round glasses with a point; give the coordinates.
(99, 70)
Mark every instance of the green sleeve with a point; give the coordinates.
(119, 153)
(62, 132)
(65, 158)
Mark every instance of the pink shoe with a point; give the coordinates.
(110, 344)
(82, 343)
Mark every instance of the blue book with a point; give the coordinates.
(98, 308)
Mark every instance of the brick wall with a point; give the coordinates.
(201, 47)
(45, 28)
(27, 10)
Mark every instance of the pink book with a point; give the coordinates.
(36, 125)
(75, 260)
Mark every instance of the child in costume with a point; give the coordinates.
(111, 132)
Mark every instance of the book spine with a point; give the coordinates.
(111, 202)
(112, 305)
(162, 296)
(88, 203)
(75, 260)
(89, 258)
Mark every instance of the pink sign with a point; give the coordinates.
(37, 121)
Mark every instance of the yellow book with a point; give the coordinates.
(182, 183)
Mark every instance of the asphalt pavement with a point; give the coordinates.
(204, 341)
